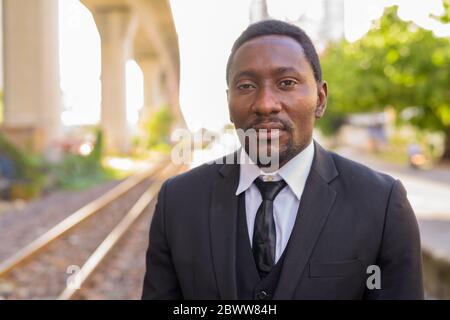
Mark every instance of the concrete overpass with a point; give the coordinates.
(142, 30)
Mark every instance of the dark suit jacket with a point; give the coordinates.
(349, 217)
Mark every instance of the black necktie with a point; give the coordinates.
(264, 235)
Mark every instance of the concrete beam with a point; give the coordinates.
(156, 19)
(155, 37)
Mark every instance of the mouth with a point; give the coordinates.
(268, 126)
(269, 130)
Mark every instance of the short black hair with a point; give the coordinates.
(277, 27)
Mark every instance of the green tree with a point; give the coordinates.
(445, 18)
(395, 64)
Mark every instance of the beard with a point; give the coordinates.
(270, 155)
(267, 152)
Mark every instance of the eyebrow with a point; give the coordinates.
(277, 71)
(245, 73)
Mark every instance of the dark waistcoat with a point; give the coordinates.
(250, 284)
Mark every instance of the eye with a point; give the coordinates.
(246, 86)
(288, 83)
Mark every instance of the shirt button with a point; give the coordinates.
(262, 295)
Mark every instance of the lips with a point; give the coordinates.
(269, 126)
(269, 130)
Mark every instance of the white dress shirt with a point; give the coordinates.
(285, 205)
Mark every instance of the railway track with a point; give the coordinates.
(59, 262)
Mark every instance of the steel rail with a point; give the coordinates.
(116, 234)
(76, 218)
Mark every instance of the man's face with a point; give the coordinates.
(272, 86)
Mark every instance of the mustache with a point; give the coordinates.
(287, 125)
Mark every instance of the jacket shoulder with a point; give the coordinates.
(356, 172)
(202, 175)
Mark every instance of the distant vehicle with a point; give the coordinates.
(7, 176)
(416, 157)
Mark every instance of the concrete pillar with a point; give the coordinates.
(173, 100)
(149, 67)
(163, 93)
(32, 94)
(161, 89)
(115, 27)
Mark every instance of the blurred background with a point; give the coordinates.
(92, 92)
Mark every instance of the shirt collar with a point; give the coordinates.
(249, 171)
(294, 172)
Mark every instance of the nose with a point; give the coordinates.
(266, 102)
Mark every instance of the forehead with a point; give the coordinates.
(266, 52)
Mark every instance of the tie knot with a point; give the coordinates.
(269, 190)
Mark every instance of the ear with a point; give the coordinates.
(322, 94)
(228, 101)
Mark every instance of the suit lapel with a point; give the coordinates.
(223, 224)
(315, 204)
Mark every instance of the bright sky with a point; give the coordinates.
(360, 13)
(206, 31)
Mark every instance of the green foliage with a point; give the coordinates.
(95, 157)
(158, 126)
(1, 106)
(77, 172)
(73, 172)
(395, 64)
(445, 18)
(29, 167)
(80, 172)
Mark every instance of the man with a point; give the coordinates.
(319, 227)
